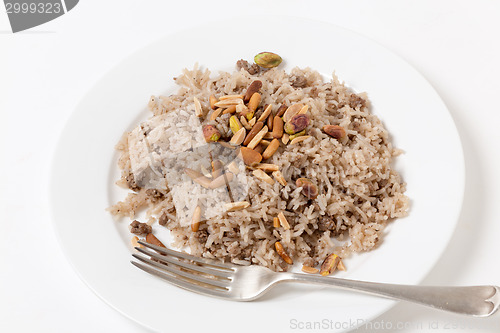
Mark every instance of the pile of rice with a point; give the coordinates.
(359, 191)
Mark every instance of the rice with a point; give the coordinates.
(359, 191)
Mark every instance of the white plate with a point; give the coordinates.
(84, 171)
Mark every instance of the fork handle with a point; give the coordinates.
(478, 301)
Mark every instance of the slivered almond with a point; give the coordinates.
(255, 141)
(245, 123)
(198, 177)
(309, 270)
(213, 100)
(217, 168)
(233, 167)
(195, 221)
(198, 111)
(266, 113)
(285, 138)
(279, 177)
(254, 102)
(226, 145)
(271, 149)
(135, 241)
(283, 221)
(252, 121)
(233, 206)
(222, 180)
(299, 139)
(292, 111)
(253, 132)
(267, 167)
(228, 102)
(276, 222)
(249, 156)
(217, 112)
(151, 239)
(281, 251)
(231, 97)
(277, 127)
(238, 138)
(263, 176)
(231, 109)
(304, 109)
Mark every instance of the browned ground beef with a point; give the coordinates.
(140, 228)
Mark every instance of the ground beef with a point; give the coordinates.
(355, 101)
(298, 81)
(131, 183)
(252, 69)
(202, 236)
(140, 228)
(154, 195)
(245, 253)
(326, 223)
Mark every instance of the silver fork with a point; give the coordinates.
(246, 283)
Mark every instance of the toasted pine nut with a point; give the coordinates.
(282, 253)
(254, 102)
(263, 176)
(283, 221)
(245, 123)
(231, 109)
(213, 100)
(195, 221)
(255, 141)
(281, 110)
(265, 143)
(271, 149)
(276, 222)
(277, 127)
(270, 121)
(309, 270)
(304, 109)
(252, 89)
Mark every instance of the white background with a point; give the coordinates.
(46, 70)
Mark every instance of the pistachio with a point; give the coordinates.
(254, 102)
(211, 133)
(292, 111)
(329, 264)
(279, 177)
(297, 123)
(263, 176)
(309, 270)
(281, 251)
(277, 127)
(255, 129)
(232, 206)
(231, 109)
(234, 124)
(151, 239)
(334, 131)
(309, 189)
(299, 139)
(249, 156)
(252, 89)
(267, 59)
(195, 221)
(296, 135)
(283, 221)
(238, 138)
(271, 149)
(213, 100)
(281, 110)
